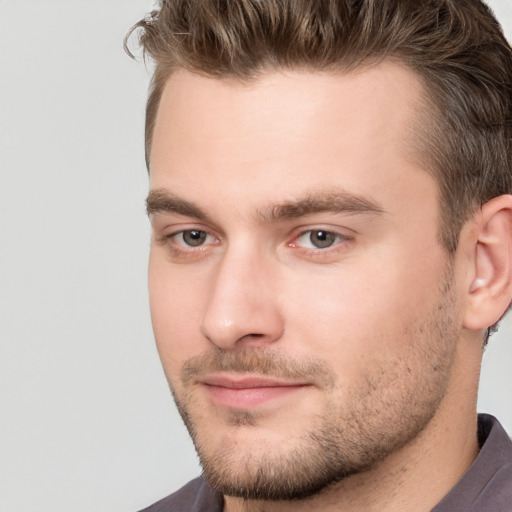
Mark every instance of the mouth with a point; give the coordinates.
(246, 392)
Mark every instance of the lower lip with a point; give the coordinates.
(244, 398)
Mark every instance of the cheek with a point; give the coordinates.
(176, 312)
(352, 314)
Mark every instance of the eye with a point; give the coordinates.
(319, 239)
(183, 245)
(193, 237)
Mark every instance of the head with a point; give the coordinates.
(327, 179)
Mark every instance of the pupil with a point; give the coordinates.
(194, 237)
(322, 239)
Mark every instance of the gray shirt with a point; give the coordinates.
(485, 487)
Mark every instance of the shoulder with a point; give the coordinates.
(196, 496)
(487, 485)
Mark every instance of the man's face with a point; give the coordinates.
(304, 310)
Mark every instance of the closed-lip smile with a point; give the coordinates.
(247, 391)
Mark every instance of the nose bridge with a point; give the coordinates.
(242, 306)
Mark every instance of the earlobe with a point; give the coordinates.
(490, 290)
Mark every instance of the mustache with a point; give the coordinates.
(256, 361)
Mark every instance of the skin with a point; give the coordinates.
(371, 342)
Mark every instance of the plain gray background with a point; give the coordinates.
(86, 420)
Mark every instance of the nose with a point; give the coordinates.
(242, 310)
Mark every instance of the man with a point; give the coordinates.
(330, 202)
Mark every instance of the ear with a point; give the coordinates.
(490, 289)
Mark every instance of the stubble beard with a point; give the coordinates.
(394, 405)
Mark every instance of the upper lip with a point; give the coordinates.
(249, 381)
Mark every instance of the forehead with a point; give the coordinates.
(287, 127)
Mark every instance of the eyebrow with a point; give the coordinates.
(160, 200)
(337, 201)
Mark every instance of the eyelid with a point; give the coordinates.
(162, 221)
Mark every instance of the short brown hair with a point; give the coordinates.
(456, 46)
